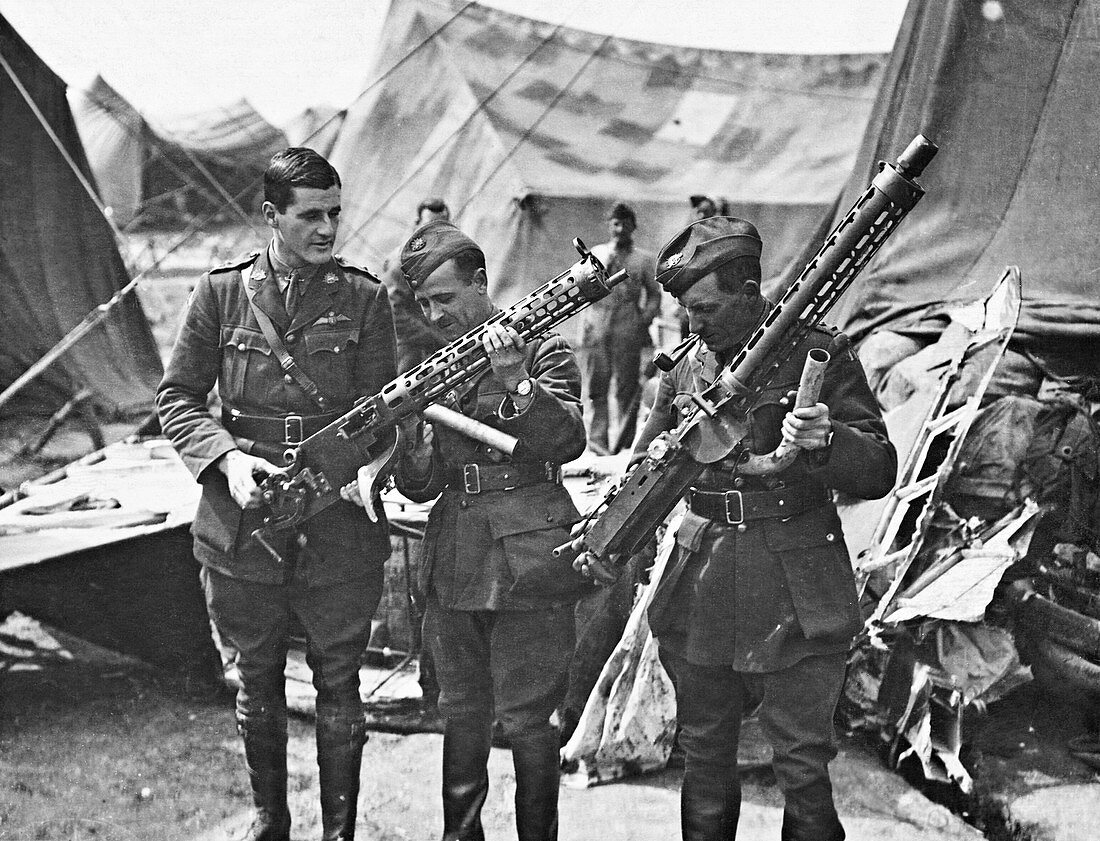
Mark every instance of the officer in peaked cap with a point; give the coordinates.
(499, 606)
(333, 319)
(758, 598)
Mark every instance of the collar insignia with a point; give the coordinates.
(331, 278)
(417, 244)
(674, 260)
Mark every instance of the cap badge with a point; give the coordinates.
(330, 278)
(417, 244)
(674, 260)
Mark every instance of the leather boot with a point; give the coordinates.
(339, 763)
(465, 779)
(710, 803)
(536, 760)
(265, 757)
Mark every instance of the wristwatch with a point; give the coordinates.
(525, 387)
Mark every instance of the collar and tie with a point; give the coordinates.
(295, 280)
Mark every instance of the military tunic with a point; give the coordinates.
(763, 596)
(491, 550)
(342, 337)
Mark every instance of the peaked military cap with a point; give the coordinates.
(702, 247)
(429, 247)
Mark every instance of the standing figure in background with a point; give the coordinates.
(615, 330)
(332, 319)
(416, 338)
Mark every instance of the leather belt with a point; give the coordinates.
(477, 478)
(288, 430)
(736, 507)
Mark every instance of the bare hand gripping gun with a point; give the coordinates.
(368, 434)
(623, 523)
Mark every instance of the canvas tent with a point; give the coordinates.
(530, 130)
(197, 164)
(315, 127)
(1008, 92)
(58, 256)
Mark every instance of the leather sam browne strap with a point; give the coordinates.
(286, 361)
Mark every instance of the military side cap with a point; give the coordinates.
(703, 247)
(431, 246)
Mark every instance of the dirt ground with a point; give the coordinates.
(98, 746)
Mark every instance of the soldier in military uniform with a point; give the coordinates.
(499, 612)
(416, 338)
(332, 321)
(615, 330)
(758, 599)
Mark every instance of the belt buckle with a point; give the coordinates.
(293, 431)
(734, 519)
(471, 478)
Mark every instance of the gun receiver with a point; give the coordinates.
(676, 459)
(367, 436)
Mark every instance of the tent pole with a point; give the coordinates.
(91, 320)
(84, 182)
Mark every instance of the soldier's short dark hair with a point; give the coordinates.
(296, 166)
(622, 210)
(468, 262)
(435, 205)
(732, 275)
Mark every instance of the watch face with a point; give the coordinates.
(523, 388)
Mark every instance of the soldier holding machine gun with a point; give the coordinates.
(293, 336)
(499, 614)
(758, 599)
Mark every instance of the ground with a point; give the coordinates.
(97, 746)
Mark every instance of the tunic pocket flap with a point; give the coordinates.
(516, 513)
(817, 527)
(244, 339)
(332, 341)
(691, 531)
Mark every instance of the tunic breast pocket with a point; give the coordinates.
(330, 359)
(245, 352)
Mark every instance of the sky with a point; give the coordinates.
(169, 57)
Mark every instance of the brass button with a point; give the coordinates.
(290, 337)
(549, 518)
(287, 378)
(741, 527)
(781, 502)
(240, 346)
(336, 349)
(738, 482)
(830, 537)
(462, 503)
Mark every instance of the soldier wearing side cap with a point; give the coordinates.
(332, 320)
(758, 600)
(416, 339)
(499, 614)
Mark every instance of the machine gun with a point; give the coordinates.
(368, 436)
(625, 520)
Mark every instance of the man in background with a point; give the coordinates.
(416, 338)
(614, 331)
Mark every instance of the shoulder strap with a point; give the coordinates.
(286, 361)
